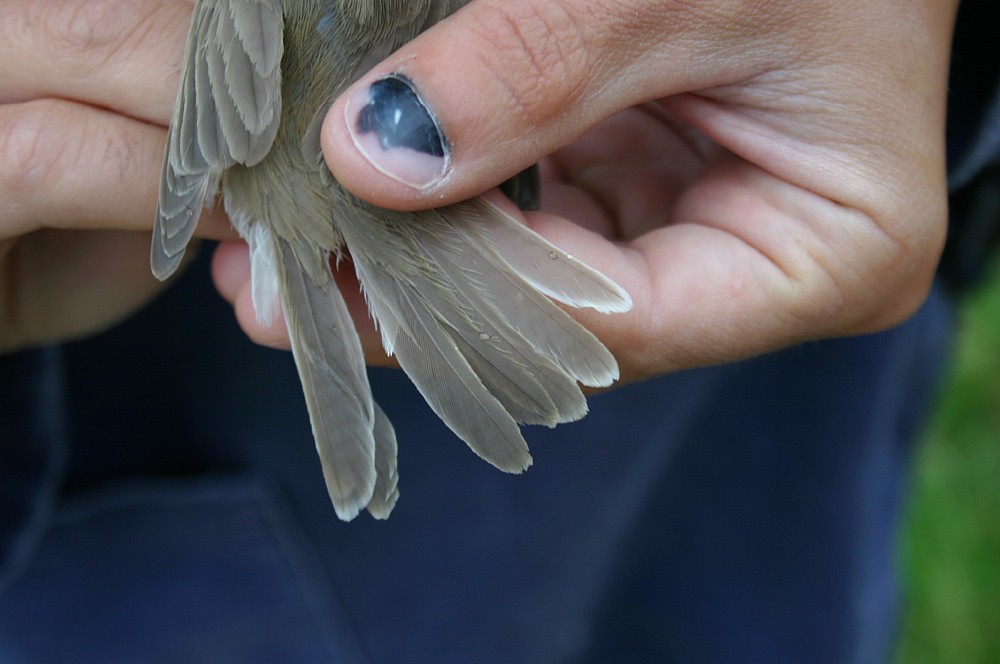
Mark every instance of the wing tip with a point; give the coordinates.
(619, 300)
(378, 506)
(161, 264)
(349, 506)
(512, 464)
(604, 379)
(380, 509)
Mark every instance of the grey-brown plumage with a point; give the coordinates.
(461, 294)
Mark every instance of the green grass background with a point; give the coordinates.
(951, 543)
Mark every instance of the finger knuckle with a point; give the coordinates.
(29, 151)
(893, 279)
(914, 260)
(84, 34)
(540, 55)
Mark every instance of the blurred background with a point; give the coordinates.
(951, 545)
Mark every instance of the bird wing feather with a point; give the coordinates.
(447, 381)
(387, 474)
(527, 271)
(331, 368)
(227, 112)
(483, 344)
(549, 269)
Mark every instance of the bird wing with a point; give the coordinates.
(227, 112)
(472, 326)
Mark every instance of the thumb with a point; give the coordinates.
(500, 84)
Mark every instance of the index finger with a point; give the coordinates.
(118, 54)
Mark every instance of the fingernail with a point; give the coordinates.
(393, 128)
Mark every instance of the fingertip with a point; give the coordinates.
(230, 268)
(273, 335)
(231, 275)
(386, 146)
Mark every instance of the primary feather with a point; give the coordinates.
(461, 294)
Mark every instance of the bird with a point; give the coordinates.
(463, 296)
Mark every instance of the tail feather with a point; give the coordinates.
(496, 356)
(475, 331)
(442, 374)
(386, 474)
(331, 367)
(533, 388)
(506, 297)
(539, 262)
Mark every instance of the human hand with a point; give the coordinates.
(754, 174)
(86, 90)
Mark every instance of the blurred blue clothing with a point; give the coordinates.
(735, 514)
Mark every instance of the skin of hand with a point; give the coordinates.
(86, 89)
(755, 174)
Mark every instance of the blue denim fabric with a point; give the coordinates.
(744, 513)
(206, 570)
(32, 452)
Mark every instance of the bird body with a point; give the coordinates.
(461, 294)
